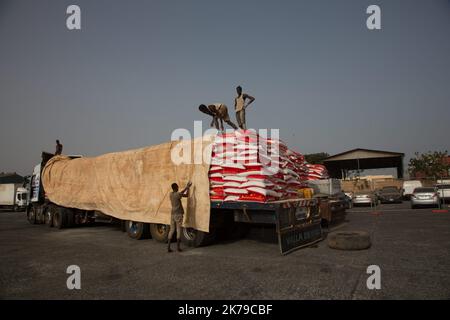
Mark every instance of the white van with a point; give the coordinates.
(409, 186)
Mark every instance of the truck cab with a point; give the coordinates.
(42, 211)
(21, 198)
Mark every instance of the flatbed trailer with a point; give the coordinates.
(297, 221)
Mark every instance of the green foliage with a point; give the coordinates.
(431, 164)
(316, 158)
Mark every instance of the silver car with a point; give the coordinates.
(424, 197)
(367, 198)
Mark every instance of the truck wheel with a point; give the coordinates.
(59, 218)
(31, 214)
(349, 240)
(159, 232)
(48, 216)
(137, 230)
(195, 238)
(15, 208)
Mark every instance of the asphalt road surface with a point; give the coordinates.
(412, 248)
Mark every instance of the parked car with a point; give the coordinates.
(348, 202)
(367, 198)
(348, 198)
(409, 186)
(424, 197)
(390, 195)
(443, 191)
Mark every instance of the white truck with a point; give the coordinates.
(8, 198)
(443, 190)
(409, 186)
(330, 187)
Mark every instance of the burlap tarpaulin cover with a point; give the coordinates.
(134, 185)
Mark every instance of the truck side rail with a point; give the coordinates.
(267, 206)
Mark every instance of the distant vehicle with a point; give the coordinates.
(424, 197)
(367, 198)
(21, 199)
(345, 199)
(409, 186)
(390, 195)
(348, 200)
(8, 195)
(443, 191)
(326, 186)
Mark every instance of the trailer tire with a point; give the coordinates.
(137, 230)
(31, 214)
(195, 238)
(59, 218)
(349, 240)
(159, 232)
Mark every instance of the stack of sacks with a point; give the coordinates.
(248, 167)
(316, 171)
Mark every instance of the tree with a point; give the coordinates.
(316, 158)
(431, 164)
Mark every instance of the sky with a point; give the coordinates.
(137, 70)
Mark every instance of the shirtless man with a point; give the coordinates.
(218, 111)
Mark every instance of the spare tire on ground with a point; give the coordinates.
(349, 240)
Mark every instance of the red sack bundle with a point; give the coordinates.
(249, 167)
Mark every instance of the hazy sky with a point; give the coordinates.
(139, 69)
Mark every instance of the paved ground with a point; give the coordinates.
(412, 249)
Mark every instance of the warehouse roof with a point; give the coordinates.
(362, 159)
(10, 177)
(360, 153)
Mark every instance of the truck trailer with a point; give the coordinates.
(132, 188)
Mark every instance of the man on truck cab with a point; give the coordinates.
(59, 148)
(176, 219)
(218, 111)
(240, 105)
